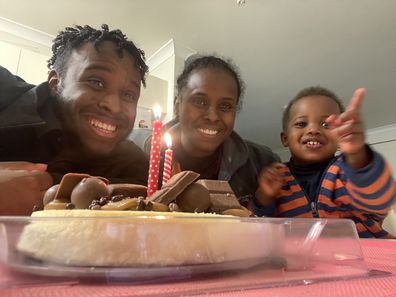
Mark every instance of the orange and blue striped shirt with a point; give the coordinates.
(364, 195)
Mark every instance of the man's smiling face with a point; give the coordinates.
(99, 95)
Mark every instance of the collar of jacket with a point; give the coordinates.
(23, 111)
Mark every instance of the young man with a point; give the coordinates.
(77, 121)
(357, 184)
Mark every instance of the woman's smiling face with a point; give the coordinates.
(206, 108)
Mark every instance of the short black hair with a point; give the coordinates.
(73, 37)
(198, 62)
(310, 91)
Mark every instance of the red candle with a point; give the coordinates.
(156, 134)
(168, 159)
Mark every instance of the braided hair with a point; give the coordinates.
(73, 37)
(198, 62)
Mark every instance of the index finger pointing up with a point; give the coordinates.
(357, 99)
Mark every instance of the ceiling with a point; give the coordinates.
(280, 46)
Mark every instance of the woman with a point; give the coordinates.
(209, 91)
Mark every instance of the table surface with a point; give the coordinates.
(379, 255)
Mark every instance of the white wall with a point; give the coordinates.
(29, 65)
(166, 71)
(32, 66)
(166, 63)
(156, 91)
(388, 150)
(9, 56)
(383, 140)
(24, 51)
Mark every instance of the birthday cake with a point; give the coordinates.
(97, 224)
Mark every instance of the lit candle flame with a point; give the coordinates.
(168, 140)
(157, 111)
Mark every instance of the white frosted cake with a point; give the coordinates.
(122, 227)
(143, 238)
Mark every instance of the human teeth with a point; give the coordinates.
(209, 132)
(103, 126)
(313, 142)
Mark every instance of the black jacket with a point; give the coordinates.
(31, 130)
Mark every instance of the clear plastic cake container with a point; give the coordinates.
(232, 252)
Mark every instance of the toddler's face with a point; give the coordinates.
(307, 134)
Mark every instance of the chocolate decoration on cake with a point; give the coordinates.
(180, 194)
(173, 207)
(50, 194)
(67, 184)
(56, 204)
(90, 188)
(195, 198)
(174, 187)
(128, 190)
(221, 195)
(128, 203)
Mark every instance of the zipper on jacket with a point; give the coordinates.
(314, 203)
(314, 209)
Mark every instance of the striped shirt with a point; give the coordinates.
(364, 195)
